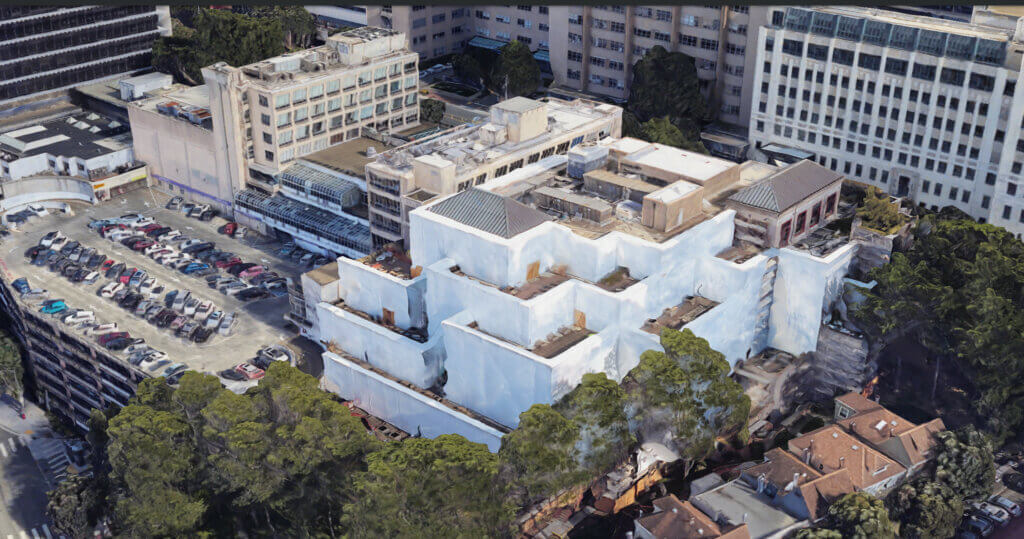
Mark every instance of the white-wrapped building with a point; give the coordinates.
(513, 290)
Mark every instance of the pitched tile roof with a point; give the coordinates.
(918, 442)
(830, 448)
(680, 519)
(876, 426)
(896, 437)
(821, 492)
(787, 187)
(780, 467)
(858, 402)
(490, 212)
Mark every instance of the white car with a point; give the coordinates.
(37, 209)
(153, 248)
(92, 277)
(226, 323)
(49, 239)
(190, 243)
(102, 329)
(120, 235)
(136, 348)
(168, 236)
(214, 320)
(151, 358)
(203, 311)
(110, 289)
(147, 285)
(992, 512)
(145, 221)
(59, 243)
(1007, 504)
(79, 317)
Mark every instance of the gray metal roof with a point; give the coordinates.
(316, 221)
(489, 212)
(787, 187)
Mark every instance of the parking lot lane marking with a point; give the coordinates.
(3, 449)
(35, 534)
(13, 447)
(46, 532)
(23, 535)
(23, 439)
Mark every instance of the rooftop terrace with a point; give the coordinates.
(679, 315)
(84, 135)
(349, 157)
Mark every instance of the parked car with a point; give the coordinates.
(169, 236)
(979, 526)
(96, 261)
(79, 316)
(158, 366)
(144, 221)
(148, 228)
(142, 245)
(203, 311)
(191, 304)
(252, 272)
(1015, 481)
(1006, 504)
(232, 374)
(151, 248)
(102, 329)
(251, 372)
(197, 247)
(21, 285)
(91, 277)
(225, 325)
(137, 278)
(174, 203)
(51, 237)
(107, 337)
(201, 335)
(991, 512)
(179, 301)
(213, 320)
(228, 228)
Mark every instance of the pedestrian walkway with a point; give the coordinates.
(12, 445)
(52, 458)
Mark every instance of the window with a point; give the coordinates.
(801, 221)
(265, 119)
(284, 119)
(895, 67)
(281, 101)
(263, 100)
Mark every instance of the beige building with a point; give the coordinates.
(596, 47)
(519, 132)
(432, 30)
(272, 112)
(526, 24)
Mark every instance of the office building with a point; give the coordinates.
(519, 132)
(46, 49)
(920, 107)
(432, 30)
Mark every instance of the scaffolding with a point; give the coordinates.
(331, 227)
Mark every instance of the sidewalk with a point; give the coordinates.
(34, 424)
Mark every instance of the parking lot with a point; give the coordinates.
(258, 322)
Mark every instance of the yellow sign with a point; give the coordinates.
(97, 186)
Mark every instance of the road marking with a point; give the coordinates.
(35, 534)
(3, 449)
(23, 535)
(11, 441)
(46, 532)
(24, 440)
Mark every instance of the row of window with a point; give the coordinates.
(83, 55)
(66, 21)
(78, 37)
(70, 77)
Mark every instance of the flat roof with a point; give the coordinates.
(673, 192)
(591, 202)
(326, 274)
(519, 104)
(84, 135)
(349, 156)
(677, 161)
(607, 176)
(929, 23)
(738, 503)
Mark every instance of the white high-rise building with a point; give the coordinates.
(920, 107)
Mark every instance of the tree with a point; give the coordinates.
(75, 506)
(959, 290)
(432, 110)
(11, 369)
(925, 509)
(859, 515)
(419, 487)
(662, 131)
(299, 25)
(598, 407)
(216, 36)
(516, 71)
(666, 84)
(469, 69)
(878, 213)
(540, 457)
(683, 397)
(964, 463)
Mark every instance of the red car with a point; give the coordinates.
(229, 228)
(142, 245)
(126, 275)
(251, 372)
(104, 339)
(107, 264)
(227, 263)
(149, 228)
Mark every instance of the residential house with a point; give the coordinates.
(674, 519)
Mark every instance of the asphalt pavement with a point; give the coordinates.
(23, 485)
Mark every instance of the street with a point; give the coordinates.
(22, 486)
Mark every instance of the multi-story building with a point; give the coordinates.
(277, 110)
(45, 49)
(526, 24)
(598, 45)
(519, 132)
(433, 30)
(920, 107)
(512, 289)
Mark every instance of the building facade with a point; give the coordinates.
(919, 107)
(519, 132)
(45, 49)
(273, 112)
(433, 30)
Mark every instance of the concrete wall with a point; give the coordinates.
(371, 291)
(408, 410)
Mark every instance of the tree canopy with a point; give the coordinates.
(665, 84)
(859, 515)
(218, 35)
(12, 371)
(878, 213)
(516, 71)
(960, 290)
(445, 487)
(432, 110)
(925, 509)
(963, 462)
(683, 397)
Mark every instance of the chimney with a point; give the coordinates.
(891, 432)
(842, 461)
(807, 455)
(760, 483)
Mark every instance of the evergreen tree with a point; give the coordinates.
(516, 71)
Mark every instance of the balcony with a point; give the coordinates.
(677, 316)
